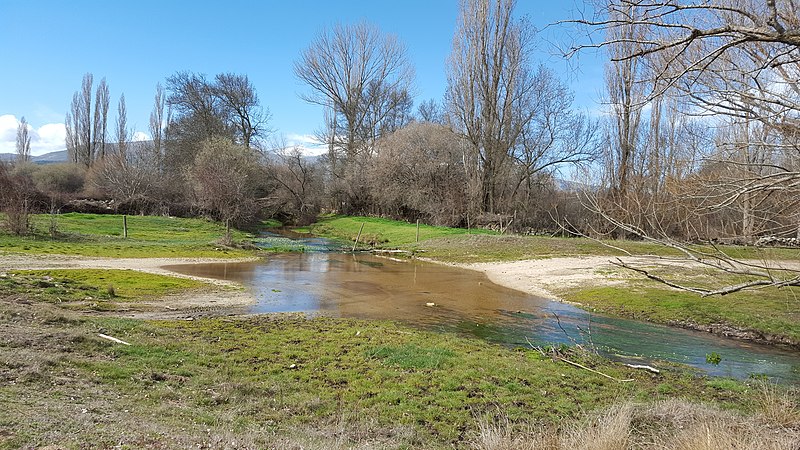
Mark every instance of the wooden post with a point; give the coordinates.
(124, 226)
(359, 236)
(417, 230)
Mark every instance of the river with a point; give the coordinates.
(443, 298)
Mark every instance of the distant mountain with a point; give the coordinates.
(61, 156)
(572, 186)
(51, 158)
(47, 158)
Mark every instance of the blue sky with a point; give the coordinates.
(47, 46)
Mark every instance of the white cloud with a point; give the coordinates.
(140, 136)
(45, 139)
(8, 133)
(307, 143)
(52, 137)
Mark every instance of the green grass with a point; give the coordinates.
(271, 223)
(414, 357)
(273, 375)
(92, 288)
(101, 235)
(381, 232)
(477, 245)
(487, 248)
(774, 312)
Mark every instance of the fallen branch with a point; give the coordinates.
(643, 367)
(649, 275)
(112, 339)
(558, 321)
(708, 292)
(594, 371)
(581, 366)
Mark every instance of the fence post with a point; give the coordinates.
(359, 236)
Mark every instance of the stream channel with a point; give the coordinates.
(323, 280)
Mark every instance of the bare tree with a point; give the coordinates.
(418, 174)
(79, 124)
(240, 100)
(362, 77)
(122, 132)
(504, 105)
(736, 63)
(16, 198)
(488, 79)
(100, 122)
(130, 184)
(201, 110)
(730, 57)
(157, 121)
(431, 111)
(625, 97)
(225, 179)
(555, 135)
(298, 183)
(23, 141)
(73, 135)
(194, 102)
(87, 126)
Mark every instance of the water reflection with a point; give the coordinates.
(368, 287)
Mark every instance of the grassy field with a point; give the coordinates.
(379, 232)
(148, 237)
(92, 289)
(490, 248)
(773, 312)
(477, 245)
(290, 382)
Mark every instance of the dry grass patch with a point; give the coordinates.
(672, 424)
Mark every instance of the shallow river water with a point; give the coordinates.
(466, 302)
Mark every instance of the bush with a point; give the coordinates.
(17, 195)
(66, 179)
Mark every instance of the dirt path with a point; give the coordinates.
(221, 296)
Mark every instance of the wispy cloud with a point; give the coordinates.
(307, 143)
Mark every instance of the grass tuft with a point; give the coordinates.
(413, 357)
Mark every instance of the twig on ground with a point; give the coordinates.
(112, 339)
(558, 357)
(643, 367)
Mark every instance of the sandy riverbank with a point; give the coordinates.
(546, 277)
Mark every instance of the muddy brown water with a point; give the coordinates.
(444, 298)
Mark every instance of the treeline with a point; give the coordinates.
(679, 150)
